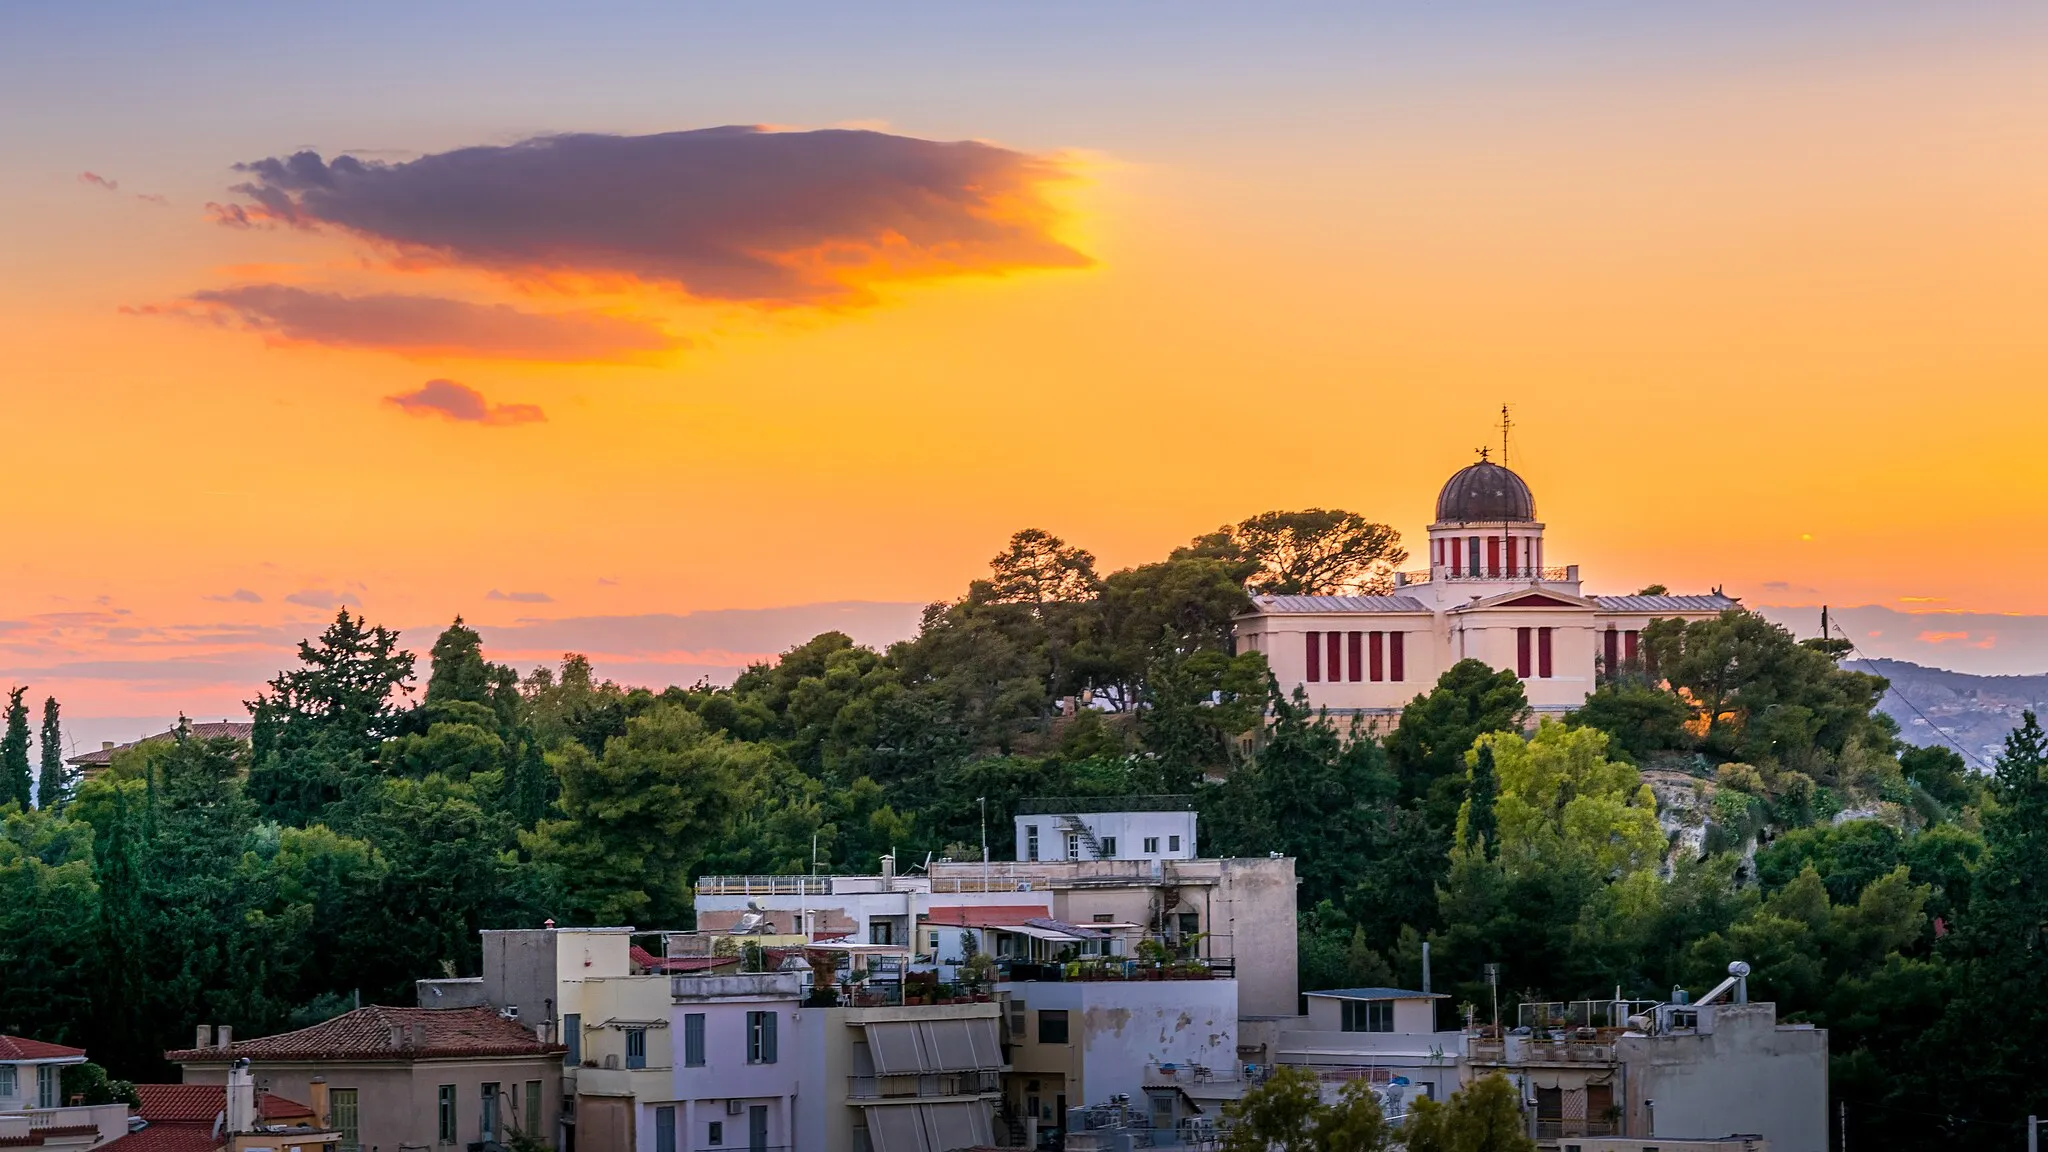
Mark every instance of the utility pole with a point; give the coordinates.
(2033, 1134)
(1842, 1122)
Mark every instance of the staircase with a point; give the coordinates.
(1073, 826)
(1012, 1125)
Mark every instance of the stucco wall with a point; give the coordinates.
(1746, 1075)
(1115, 1029)
(398, 1102)
(1254, 904)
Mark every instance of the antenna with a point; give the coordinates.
(1505, 424)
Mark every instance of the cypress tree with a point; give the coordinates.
(1481, 828)
(54, 786)
(19, 783)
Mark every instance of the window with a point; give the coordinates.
(1052, 1026)
(1472, 555)
(1315, 656)
(1493, 555)
(1543, 653)
(488, 1129)
(693, 1040)
(1522, 652)
(1396, 663)
(1108, 849)
(49, 1088)
(1017, 1017)
(760, 1037)
(1379, 656)
(1151, 845)
(1368, 1015)
(533, 1107)
(1073, 846)
(933, 943)
(1031, 841)
(7, 1081)
(665, 1128)
(1356, 639)
(881, 932)
(347, 1120)
(1103, 918)
(1173, 843)
(1190, 924)
(446, 1114)
(636, 1047)
(714, 1133)
(1336, 644)
(1457, 554)
(1611, 653)
(572, 1038)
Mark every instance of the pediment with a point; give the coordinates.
(1530, 598)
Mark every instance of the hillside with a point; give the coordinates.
(1974, 711)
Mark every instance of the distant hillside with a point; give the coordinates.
(1973, 711)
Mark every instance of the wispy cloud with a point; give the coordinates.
(95, 180)
(732, 214)
(238, 596)
(459, 402)
(520, 597)
(318, 598)
(426, 327)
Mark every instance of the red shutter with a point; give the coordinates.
(1395, 670)
(1336, 640)
(1630, 649)
(1543, 653)
(1456, 552)
(1356, 671)
(1521, 653)
(1315, 657)
(1493, 555)
(1613, 651)
(1509, 548)
(1379, 665)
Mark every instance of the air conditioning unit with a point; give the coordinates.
(734, 1107)
(511, 1012)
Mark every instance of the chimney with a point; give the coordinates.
(106, 745)
(397, 1036)
(203, 1038)
(317, 1097)
(419, 1036)
(223, 1036)
(241, 1110)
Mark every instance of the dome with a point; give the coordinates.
(1485, 492)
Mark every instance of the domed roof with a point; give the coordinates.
(1485, 492)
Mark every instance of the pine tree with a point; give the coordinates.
(14, 771)
(459, 669)
(54, 786)
(1480, 791)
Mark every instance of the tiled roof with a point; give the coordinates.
(213, 730)
(1337, 604)
(644, 959)
(169, 1137)
(367, 1034)
(1708, 603)
(21, 1048)
(200, 1103)
(982, 915)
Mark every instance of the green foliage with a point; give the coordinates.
(1428, 747)
(53, 785)
(1483, 1116)
(16, 782)
(1563, 804)
(319, 726)
(89, 1084)
(1640, 718)
(1314, 552)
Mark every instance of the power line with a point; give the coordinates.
(1903, 698)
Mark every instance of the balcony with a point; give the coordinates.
(925, 1086)
(60, 1128)
(1568, 574)
(1115, 970)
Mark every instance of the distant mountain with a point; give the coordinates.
(1968, 710)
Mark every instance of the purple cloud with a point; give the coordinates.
(317, 598)
(238, 596)
(422, 326)
(95, 180)
(733, 213)
(520, 597)
(452, 401)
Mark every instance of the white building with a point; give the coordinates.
(1489, 593)
(1139, 828)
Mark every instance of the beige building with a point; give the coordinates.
(402, 1077)
(1489, 593)
(34, 1112)
(901, 1078)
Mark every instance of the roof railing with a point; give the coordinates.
(1061, 805)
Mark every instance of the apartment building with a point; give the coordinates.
(1386, 1036)
(899, 1078)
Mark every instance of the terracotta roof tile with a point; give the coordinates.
(170, 1137)
(367, 1034)
(642, 958)
(22, 1048)
(983, 915)
(211, 730)
(172, 1103)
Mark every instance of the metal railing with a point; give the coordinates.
(764, 886)
(1083, 972)
(1062, 805)
(1547, 575)
(924, 1085)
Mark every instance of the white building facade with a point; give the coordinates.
(1489, 594)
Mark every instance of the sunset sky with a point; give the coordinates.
(615, 326)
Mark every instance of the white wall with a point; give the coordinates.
(1121, 1026)
(1747, 1075)
(1129, 829)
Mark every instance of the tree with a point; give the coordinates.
(16, 781)
(1563, 803)
(1483, 1116)
(1314, 552)
(1040, 568)
(319, 726)
(54, 785)
(1428, 747)
(1478, 830)
(1277, 1116)
(459, 669)
(1640, 717)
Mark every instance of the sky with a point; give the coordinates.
(667, 331)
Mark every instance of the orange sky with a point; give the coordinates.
(1772, 323)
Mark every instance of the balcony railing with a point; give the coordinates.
(1559, 1129)
(1550, 575)
(1062, 805)
(1083, 972)
(925, 1085)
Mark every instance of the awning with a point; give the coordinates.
(927, 1127)
(910, 1047)
(1045, 934)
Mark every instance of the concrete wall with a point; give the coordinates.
(1413, 1014)
(519, 968)
(398, 1102)
(1116, 1028)
(1254, 905)
(1745, 1075)
(461, 992)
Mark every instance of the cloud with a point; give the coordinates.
(238, 596)
(317, 598)
(452, 401)
(422, 326)
(520, 597)
(730, 214)
(95, 180)
(157, 199)
(1941, 637)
